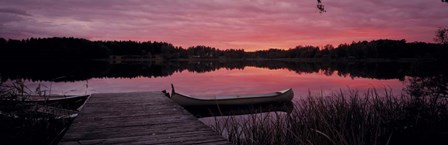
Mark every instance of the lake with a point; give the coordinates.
(215, 78)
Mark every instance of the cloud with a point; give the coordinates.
(249, 24)
(14, 11)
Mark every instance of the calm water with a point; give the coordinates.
(208, 79)
(223, 81)
(214, 78)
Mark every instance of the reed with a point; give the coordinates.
(19, 125)
(344, 118)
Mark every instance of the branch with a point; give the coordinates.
(321, 7)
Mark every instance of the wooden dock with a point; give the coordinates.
(137, 118)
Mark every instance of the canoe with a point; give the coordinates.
(38, 112)
(64, 102)
(37, 118)
(185, 100)
(39, 123)
(35, 107)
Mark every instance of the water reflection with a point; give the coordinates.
(213, 78)
(78, 71)
(428, 87)
(226, 110)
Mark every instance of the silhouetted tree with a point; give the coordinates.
(2, 41)
(82, 49)
(320, 7)
(442, 36)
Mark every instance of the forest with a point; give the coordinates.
(73, 49)
(81, 71)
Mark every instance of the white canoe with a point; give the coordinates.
(185, 100)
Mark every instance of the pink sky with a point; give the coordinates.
(248, 24)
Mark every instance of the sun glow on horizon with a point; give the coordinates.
(229, 24)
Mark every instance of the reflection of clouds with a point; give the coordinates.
(224, 23)
(223, 82)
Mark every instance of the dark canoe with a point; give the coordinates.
(185, 100)
(34, 124)
(37, 119)
(62, 102)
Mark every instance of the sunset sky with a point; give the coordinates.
(247, 24)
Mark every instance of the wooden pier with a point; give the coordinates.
(137, 118)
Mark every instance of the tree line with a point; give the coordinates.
(79, 71)
(57, 48)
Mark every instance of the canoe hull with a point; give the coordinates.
(280, 96)
(65, 102)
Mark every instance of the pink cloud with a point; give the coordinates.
(249, 24)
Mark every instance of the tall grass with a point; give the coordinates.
(345, 118)
(19, 124)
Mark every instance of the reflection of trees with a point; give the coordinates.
(52, 71)
(428, 87)
(373, 70)
(429, 82)
(76, 71)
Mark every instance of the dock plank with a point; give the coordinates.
(137, 118)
